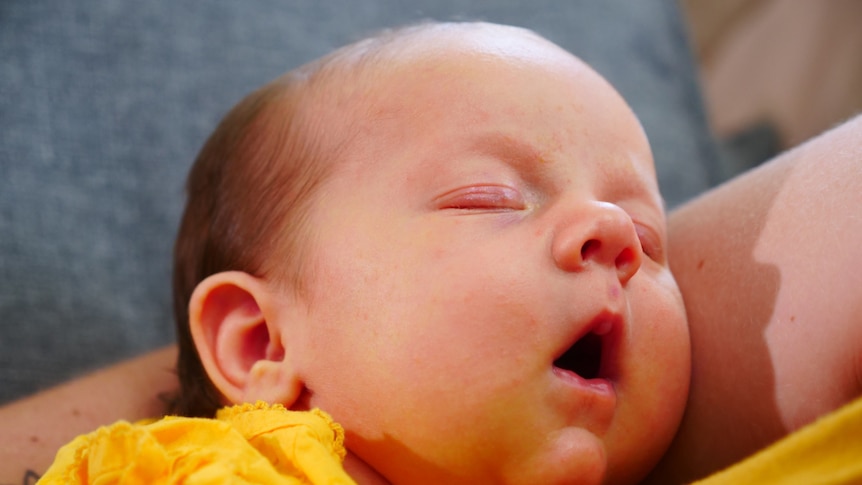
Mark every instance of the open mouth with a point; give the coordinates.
(584, 358)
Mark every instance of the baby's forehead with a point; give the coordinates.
(371, 85)
(415, 47)
(361, 73)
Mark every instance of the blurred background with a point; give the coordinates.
(776, 72)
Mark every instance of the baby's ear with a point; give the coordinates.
(235, 326)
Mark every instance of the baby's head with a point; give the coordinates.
(450, 238)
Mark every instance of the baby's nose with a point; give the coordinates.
(599, 233)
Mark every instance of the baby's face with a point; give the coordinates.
(491, 300)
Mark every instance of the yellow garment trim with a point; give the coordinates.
(827, 452)
(250, 443)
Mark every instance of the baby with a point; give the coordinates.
(449, 238)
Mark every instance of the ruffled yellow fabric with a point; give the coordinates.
(263, 444)
(827, 452)
(249, 443)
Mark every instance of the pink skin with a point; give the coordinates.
(500, 204)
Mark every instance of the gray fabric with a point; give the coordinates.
(104, 103)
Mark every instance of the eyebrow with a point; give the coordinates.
(520, 155)
(532, 162)
(505, 146)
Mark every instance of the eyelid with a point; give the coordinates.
(482, 197)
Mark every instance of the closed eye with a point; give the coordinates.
(482, 198)
(650, 243)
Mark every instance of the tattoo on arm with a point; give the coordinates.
(30, 478)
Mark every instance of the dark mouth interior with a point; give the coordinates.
(584, 358)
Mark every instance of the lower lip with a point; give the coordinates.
(590, 402)
(600, 386)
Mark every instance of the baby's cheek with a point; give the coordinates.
(663, 324)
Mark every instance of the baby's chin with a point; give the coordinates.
(571, 456)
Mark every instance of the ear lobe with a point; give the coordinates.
(236, 333)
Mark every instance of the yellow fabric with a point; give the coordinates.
(266, 444)
(245, 444)
(827, 452)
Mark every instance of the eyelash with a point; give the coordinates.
(483, 198)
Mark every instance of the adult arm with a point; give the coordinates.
(770, 267)
(34, 428)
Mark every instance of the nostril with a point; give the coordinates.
(589, 248)
(625, 258)
(627, 263)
